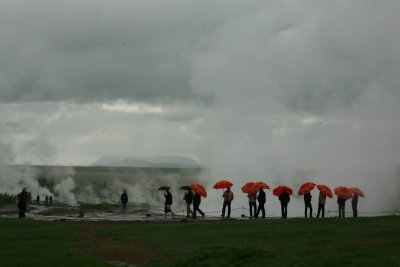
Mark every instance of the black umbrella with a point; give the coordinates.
(164, 188)
(185, 187)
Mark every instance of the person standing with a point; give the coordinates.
(46, 200)
(252, 204)
(261, 203)
(228, 197)
(196, 205)
(21, 202)
(354, 202)
(342, 203)
(124, 201)
(51, 200)
(37, 200)
(307, 204)
(284, 199)
(168, 203)
(189, 200)
(321, 205)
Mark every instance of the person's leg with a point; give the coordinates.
(201, 212)
(223, 209)
(305, 209)
(251, 209)
(319, 210)
(263, 210)
(194, 211)
(229, 209)
(323, 210)
(282, 210)
(310, 210)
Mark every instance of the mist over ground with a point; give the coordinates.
(279, 91)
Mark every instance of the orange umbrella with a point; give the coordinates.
(343, 192)
(356, 191)
(222, 184)
(325, 190)
(306, 188)
(262, 185)
(250, 188)
(278, 190)
(199, 189)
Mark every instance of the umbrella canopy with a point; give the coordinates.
(185, 187)
(262, 185)
(250, 188)
(343, 192)
(306, 188)
(325, 190)
(278, 190)
(199, 189)
(164, 187)
(357, 191)
(222, 184)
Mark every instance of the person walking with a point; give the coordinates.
(321, 205)
(354, 202)
(307, 204)
(196, 205)
(228, 197)
(252, 204)
(261, 203)
(284, 198)
(189, 199)
(168, 203)
(22, 198)
(342, 204)
(124, 201)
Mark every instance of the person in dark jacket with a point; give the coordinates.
(354, 202)
(51, 200)
(228, 197)
(342, 203)
(261, 203)
(46, 200)
(189, 200)
(37, 200)
(124, 201)
(284, 199)
(196, 205)
(168, 203)
(21, 202)
(307, 204)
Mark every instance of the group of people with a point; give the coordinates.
(48, 200)
(194, 199)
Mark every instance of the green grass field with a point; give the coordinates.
(363, 242)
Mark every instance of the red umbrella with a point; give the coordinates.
(222, 184)
(343, 192)
(199, 189)
(325, 190)
(306, 188)
(278, 190)
(356, 191)
(262, 185)
(250, 188)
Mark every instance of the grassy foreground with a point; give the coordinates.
(294, 242)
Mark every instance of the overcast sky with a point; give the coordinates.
(248, 88)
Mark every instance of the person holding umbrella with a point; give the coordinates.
(342, 204)
(189, 199)
(228, 197)
(321, 204)
(261, 203)
(196, 205)
(168, 203)
(307, 204)
(252, 203)
(284, 198)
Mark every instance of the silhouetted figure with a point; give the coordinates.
(46, 200)
(196, 205)
(228, 197)
(37, 200)
(342, 203)
(189, 199)
(321, 205)
(252, 204)
(51, 200)
(261, 203)
(284, 199)
(354, 202)
(168, 203)
(21, 202)
(124, 201)
(307, 204)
